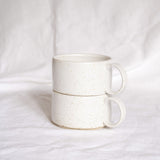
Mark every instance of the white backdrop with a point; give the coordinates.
(32, 31)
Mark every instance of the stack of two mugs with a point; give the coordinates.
(82, 91)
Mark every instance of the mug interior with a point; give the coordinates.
(82, 58)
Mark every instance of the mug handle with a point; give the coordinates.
(123, 76)
(122, 111)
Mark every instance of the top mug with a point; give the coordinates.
(85, 74)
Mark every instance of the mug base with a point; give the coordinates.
(76, 128)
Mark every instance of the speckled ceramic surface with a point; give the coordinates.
(84, 112)
(84, 74)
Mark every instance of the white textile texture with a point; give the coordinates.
(32, 31)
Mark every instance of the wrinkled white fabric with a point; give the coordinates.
(31, 32)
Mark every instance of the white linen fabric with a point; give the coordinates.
(32, 31)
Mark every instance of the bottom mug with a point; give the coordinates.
(84, 112)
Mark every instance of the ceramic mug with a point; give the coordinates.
(84, 112)
(84, 74)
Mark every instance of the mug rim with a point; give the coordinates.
(79, 95)
(102, 58)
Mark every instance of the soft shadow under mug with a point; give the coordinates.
(84, 74)
(84, 112)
